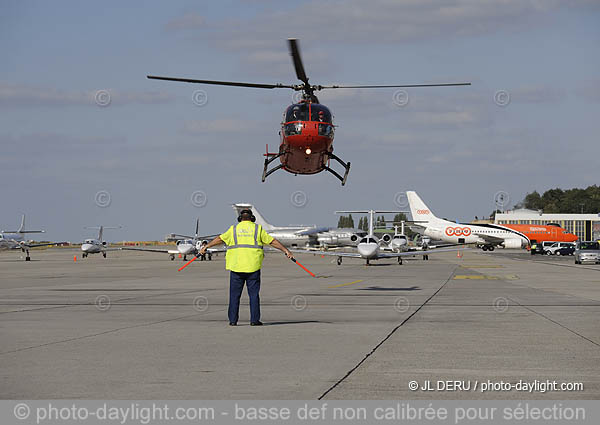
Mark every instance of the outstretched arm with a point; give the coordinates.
(276, 244)
(214, 242)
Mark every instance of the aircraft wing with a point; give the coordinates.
(312, 231)
(412, 253)
(333, 254)
(164, 251)
(489, 238)
(208, 237)
(35, 245)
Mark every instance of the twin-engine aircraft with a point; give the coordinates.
(98, 245)
(370, 247)
(306, 236)
(15, 239)
(185, 245)
(486, 236)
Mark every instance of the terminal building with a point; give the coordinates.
(585, 226)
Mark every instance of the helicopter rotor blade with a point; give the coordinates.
(392, 86)
(223, 83)
(295, 53)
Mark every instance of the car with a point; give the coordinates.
(536, 248)
(545, 245)
(587, 251)
(556, 246)
(567, 250)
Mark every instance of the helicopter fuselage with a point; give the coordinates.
(307, 133)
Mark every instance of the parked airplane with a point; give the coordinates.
(96, 246)
(543, 233)
(305, 236)
(187, 245)
(15, 239)
(398, 242)
(486, 236)
(370, 247)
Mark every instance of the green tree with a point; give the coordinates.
(557, 200)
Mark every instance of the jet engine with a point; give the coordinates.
(513, 243)
(387, 238)
(328, 240)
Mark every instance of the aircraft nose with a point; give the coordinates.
(367, 250)
(86, 247)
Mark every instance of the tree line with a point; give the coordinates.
(568, 201)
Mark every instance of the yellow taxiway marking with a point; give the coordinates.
(483, 276)
(345, 284)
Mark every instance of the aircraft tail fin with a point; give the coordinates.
(419, 211)
(259, 218)
(22, 228)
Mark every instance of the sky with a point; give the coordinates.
(87, 140)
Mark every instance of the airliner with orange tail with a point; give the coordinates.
(542, 233)
(485, 236)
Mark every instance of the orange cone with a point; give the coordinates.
(74, 258)
(179, 255)
(458, 254)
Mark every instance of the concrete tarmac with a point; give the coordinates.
(132, 327)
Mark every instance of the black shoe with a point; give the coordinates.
(259, 323)
(232, 323)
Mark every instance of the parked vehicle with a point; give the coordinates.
(556, 246)
(546, 244)
(568, 250)
(587, 251)
(536, 248)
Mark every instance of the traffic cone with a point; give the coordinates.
(74, 258)
(179, 255)
(458, 254)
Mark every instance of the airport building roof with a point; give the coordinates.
(525, 214)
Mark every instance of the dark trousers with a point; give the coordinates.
(236, 286)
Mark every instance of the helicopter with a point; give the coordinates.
(307, 128)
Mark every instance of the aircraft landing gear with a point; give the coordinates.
(84, 255)
(104, 254)
(270, 157)
(172, 257)
(209, 256)
(185, 258)
(346, 166)
(339, 261)
(27, 257)
(426, 257)
(368, 263)
(400, 260)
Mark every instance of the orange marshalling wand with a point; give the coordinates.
(186, 264)
(305, 269)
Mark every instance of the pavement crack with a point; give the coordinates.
(387, 337)
(555, 322)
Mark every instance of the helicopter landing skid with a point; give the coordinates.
(270, 157)
(346, 166)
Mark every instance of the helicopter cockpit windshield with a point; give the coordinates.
(297, 112)
(319, 113)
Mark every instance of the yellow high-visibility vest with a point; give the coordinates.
(245, 247)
